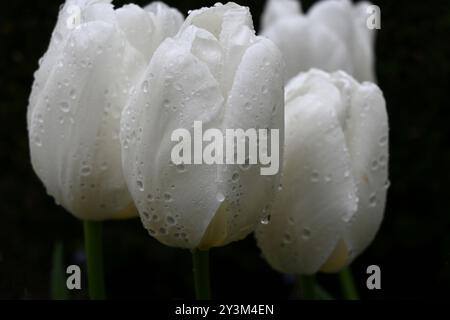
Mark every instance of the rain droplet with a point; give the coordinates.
(373, 200)
(382, 160)
(170, 220)
(265, 220)
(178, 86)
(287, 238)
(235, 177)
(167, 197)
(145, 86)
(383, 140)
(65, 107)
(374, 165)
(150, 197)
(306, 234)
(387, 184)
(264, 90)
(37, 141)
(39, 118)
(220, 197)
(162, 230)
(73, 94)
(166, 104)
(328, 178)
(140, 185)
(85, 171)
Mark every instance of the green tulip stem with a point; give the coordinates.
(200, 261)
(94, 258)
(308, 287)
(348, 286)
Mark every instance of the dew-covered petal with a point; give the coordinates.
(368, 141)
(74, 125)
(176, 202)
(317, 194)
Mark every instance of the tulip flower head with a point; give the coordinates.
(217, 72)
(335, 174)
(332, 36)
(83, 82)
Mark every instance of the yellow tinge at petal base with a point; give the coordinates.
(337, 260)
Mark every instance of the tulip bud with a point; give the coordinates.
(218, 73)
(83, 82)
(335, 174)
(332, 36)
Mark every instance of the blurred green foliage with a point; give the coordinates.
(412, 248)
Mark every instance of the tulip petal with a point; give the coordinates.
(248, 193)
(71, 8)
(74, 124)
(367, 138)
(318, 48)
(156, 22)
(176, 203)
(318, 195)
(203, 74)
(332, 36)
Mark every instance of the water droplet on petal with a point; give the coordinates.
(287, 238)
(373, 200)
(73, 94)
(65, 107)
(85, 171)
(265, 220)
(167, 197)
(140, 185)
(170, 220)
(374, 165)
(145, 86)
(220, 197)
(264, 90)
(166, 104)
(37, 141)
(306, 234)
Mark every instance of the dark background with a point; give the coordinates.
(412, 247)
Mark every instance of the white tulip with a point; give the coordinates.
(83, 82)
(332, 36)
(215, 71)
(335, 174)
